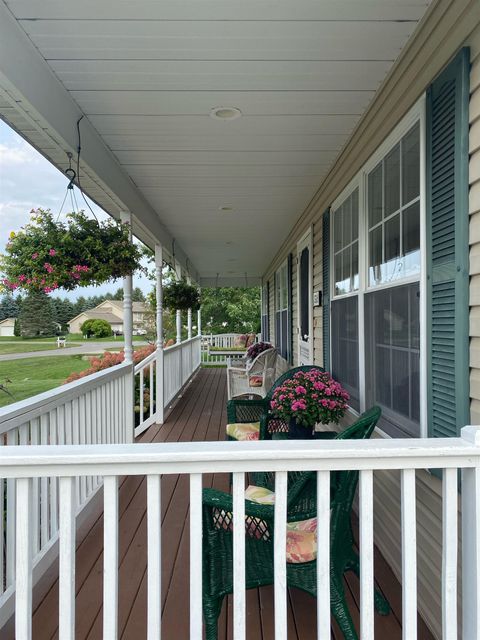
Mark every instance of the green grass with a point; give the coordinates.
(36, 375)
(71, 337)
(25, 347)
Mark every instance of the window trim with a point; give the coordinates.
(416, 114)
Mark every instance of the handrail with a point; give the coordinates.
(179, 345)
(143, 363)
(22, 411)
(224, 457)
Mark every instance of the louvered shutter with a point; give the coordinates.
(289, 310)
(326, 289)
(447, 249)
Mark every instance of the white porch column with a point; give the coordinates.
(199, 322)
(471, 541)
(189, 324)
(159, 359)
(126, 218)
(179, 326)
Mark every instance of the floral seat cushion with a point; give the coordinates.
(301, 536)
(255, 381)
(243, 430)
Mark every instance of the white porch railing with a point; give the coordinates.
(220, 340)
(88, 411)
(26, 465)
(180, 362)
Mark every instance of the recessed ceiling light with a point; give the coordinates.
(226, 208)
(225, 113)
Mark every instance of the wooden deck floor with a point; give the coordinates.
(199, 415)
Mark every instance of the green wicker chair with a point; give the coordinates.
(241, 410)
(301, 505)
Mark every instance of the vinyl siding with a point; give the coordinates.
(449, 27)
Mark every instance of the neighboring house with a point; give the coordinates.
(112, 312)
(7, 327)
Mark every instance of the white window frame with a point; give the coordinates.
(306, 241)
(416, 114)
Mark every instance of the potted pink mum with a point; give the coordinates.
(310, 397)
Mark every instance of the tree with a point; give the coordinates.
(97, 328)
(64, 311)
(137, 295)
(9, 307)
(36, 316)
(230, 310)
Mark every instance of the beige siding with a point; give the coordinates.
(450, 26)
(272, 309)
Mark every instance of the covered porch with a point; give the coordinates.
(199, 416)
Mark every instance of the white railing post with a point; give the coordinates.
(159, 363)
(179, 326)
(126, 218)
(471, 541)
(189, 323)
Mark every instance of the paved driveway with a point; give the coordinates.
(83, 349)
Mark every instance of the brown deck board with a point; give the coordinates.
(199, 415)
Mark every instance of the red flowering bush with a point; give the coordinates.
(310, 397)
(109, 359)
(47, 254)
(256, 349)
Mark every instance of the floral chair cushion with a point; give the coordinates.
(301, 535)
(244, 430)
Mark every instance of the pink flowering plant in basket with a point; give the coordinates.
(310, 397)
(257, 348)
(47, 254)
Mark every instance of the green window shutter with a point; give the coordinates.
(447, 249)
(326, 289)
(289, 309)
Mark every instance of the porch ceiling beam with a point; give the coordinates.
(34, 90)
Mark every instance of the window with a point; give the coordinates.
(375, 308)
(392, 350)
(345, 245)
(393, 203)
(265, 312)
(281, 311)
(345, 346)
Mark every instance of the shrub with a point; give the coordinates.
(109, 359)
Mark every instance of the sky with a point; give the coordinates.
(29, 181)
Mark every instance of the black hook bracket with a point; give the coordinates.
(70, 172)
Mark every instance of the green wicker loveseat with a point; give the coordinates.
(240, 410)
(259, 543)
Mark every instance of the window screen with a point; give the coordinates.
(344, 322)
(392, 353)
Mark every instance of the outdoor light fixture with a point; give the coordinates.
(225, 208)
(225, 113)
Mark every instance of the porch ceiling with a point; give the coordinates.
(147, 74)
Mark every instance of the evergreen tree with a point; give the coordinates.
(137, 295)
(9, 306)
(64, 311)
(36, 316)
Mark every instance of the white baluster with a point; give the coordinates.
(154, 567)
(23, 565)
(239, 609)
(366, 554)
(196, 556)
(409, 555)
(449, 553)
(110, 558)
(323, 555)
(280, 562)
(66, 574)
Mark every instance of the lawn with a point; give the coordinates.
(27, 345)
(35, 375)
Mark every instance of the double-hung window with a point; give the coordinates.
(375, 282)
(281, 310)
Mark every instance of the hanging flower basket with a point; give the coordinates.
(47, 255)
(181, 295)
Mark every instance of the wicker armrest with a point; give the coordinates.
(221, 500)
